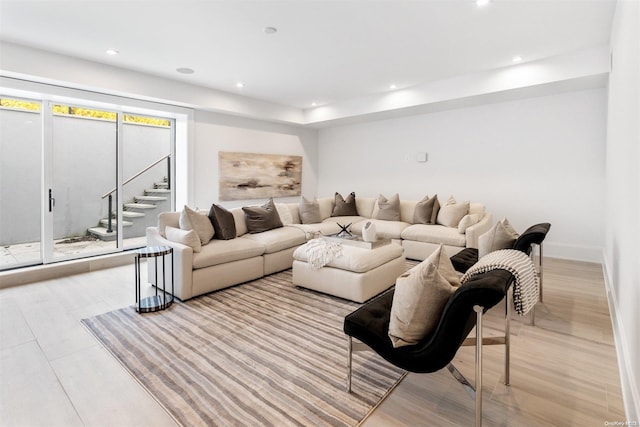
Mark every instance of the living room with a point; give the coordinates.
(560, 147)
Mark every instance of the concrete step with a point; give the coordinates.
(162, 184)
(132, 214)
(157, 191)
(114, 223)
(102, 234)
(149, 198)
(139, 206)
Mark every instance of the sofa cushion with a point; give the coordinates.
(452, 212)
(309, 211)
(262, 218)
(345, 207)
(384, 229)
(192, 220)
(419, 299)
(223, 223)
(278, 239)
(433, 233)
(184, 237)
(500, 236)
(239, 219)
(407, 209)
(326, 207)
(387, 209)
(223, 251)
(467, 221)
(345, 220)
(424, 210)
(284, 213)
(355, 259)
(365, 206)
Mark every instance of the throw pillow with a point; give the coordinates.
(223, 223)
(185, 237)
(309, 211)
(500, 236)
(419, 299)
(388, 209)
(467, 221)
(451, 213)
(192, 220)
(345, 207)
(424, 209)
(284, 213)
(262, 218)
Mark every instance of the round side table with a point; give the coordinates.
(161, 300)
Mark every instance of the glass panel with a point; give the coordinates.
(146, 146)
(84, 171)
(20, 183)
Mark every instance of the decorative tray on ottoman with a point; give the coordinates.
(353, 240)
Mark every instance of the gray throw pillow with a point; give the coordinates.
(262, 218)
(423, 213)
(389, 209)
(345, 207)
(309, 211)
(223, 223)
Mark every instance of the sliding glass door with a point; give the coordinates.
(79, 180)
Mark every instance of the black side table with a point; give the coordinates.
(155, 302)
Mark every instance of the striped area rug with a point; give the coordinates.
(263, 353)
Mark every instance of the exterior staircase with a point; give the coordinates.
(137, 215)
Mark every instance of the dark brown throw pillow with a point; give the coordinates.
(423, 214)
(345, 207)
(223, 223)
(262, 218)
(436, 209)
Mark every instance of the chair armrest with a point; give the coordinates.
(182, 264)
(472, 233)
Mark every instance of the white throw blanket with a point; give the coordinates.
(526, 289)
(320, 252)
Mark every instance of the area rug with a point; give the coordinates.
(263, 353)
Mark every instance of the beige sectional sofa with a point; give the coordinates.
(223, 263)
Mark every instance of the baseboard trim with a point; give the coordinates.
(630, 393)
(25, 275)
(573, 252)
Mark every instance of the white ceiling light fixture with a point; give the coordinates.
(111, 51)
(239, 85)
(314, 104)
(392, 86)
(481, 3)
(185, 70)
(270, 30)
(517, 58)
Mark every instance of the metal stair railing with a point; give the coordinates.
(110, 193)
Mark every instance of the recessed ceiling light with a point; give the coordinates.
(270, 30)
(393, 86)
(239, 85)
(111, 52)
(314, 104)
(185, 70)
(517, 58)
(481, 3)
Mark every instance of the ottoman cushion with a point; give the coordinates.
(358, 260)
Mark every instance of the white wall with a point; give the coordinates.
(217, 132)
(622, 253)
(534, 160)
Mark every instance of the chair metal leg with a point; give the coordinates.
(349, 356)
(478, 309)
(507, 334)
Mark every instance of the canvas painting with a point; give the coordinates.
(245, 176)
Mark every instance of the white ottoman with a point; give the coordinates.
(357, 275)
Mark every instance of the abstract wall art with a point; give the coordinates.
(245, 176)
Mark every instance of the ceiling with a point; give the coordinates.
(323, 51)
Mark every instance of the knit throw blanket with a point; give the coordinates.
(526, 287)
(320, 252)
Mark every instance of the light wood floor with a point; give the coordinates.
(563, 371)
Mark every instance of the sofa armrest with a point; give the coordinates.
(476, 230)
(182, 264)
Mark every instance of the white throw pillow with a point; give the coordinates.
(500, 236)
(285, 213)
(201, 224)
(185, 237)
(451, 213)
(420, 297)
(467, 221)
